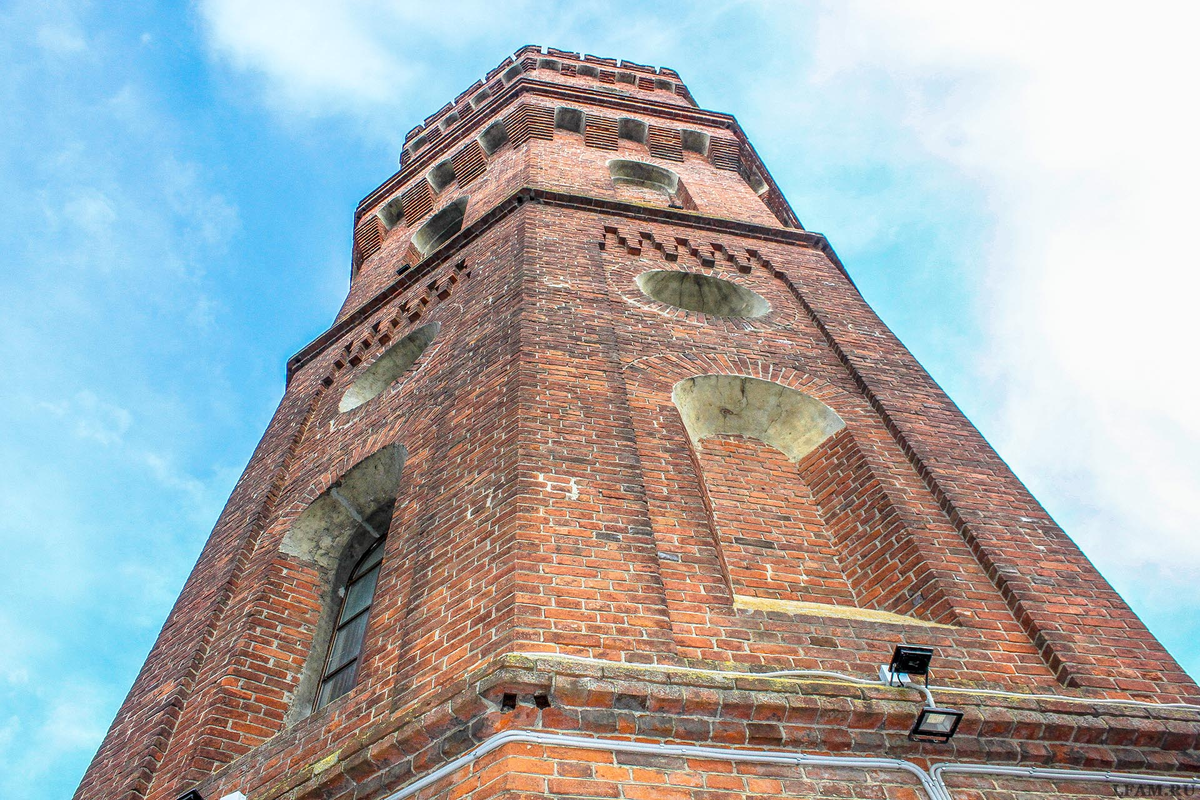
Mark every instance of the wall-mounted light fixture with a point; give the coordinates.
(933, 724)
(907, 660)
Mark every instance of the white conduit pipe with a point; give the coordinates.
(692, 751)
(817, 673)
(938, 772)
(933, 782)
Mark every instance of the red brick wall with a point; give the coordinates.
(538, 771)
(551, 502)
(773, 541)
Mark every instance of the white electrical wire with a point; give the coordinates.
(817, 673)
(938, 771)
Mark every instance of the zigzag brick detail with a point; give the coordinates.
(368, 238)
(665, 143)
(529, 122)
(600, 132)
(724, 153)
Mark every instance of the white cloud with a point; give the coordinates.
(90, 209)
(60, 40)
(313, 57)
(369, 59)
(1078, 128)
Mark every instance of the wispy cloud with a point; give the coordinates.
(110, 229)
(315, 61)
(1086, 162)
(1073, 132)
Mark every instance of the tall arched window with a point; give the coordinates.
(335, 547)
(345, 645)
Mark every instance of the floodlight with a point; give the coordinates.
(935, 724)
(908, 659)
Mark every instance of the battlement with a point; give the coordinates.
(608, 74)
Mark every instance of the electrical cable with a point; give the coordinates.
(817, 673)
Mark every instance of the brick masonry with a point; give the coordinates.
(553, 508)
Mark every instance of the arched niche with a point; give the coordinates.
(803, 522)
(693, 291)
(441, 176)
(788, 420)
(388, 368)
(494, 137)
(440, 227)
(328, 540)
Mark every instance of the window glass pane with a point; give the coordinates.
(347, 642)
(372, 557)
(358, 596)
(337, 685)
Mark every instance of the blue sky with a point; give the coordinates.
(1012, 189)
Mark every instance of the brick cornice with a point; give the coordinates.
(449, 251)
(526, 84)
(778, 712)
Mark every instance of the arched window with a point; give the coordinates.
(345, 645)
(334, 548)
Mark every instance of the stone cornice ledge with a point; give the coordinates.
(449, 250)
(781, 712)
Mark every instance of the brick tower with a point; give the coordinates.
(606, 482)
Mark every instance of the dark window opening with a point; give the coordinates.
(357, 595)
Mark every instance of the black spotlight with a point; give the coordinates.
(910, 660)
(935, 724)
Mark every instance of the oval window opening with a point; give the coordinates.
(388, 367)
(641, 174)
(692, 291)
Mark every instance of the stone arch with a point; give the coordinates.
(440, 227)
(635, 130)
(441, 175)
(569, 119)
(628, 172)
(694, 141)
(321, 531)
(494, 137)
(641, 180)
(328, 539)
(735, 405)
